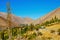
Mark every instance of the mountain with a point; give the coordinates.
(15, 20)
(18, 20)
(48, 17)
(28, 20)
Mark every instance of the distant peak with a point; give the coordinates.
(28, 18)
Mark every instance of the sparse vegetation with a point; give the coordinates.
(52, 31)
(58, 31)
(27, 31)
(52, 21)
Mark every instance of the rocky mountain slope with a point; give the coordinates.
(48, 17)
(18, 20)
(15, 20)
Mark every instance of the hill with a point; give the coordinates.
(48, 17)
(33, 32)
(15, 20)
(18, 20)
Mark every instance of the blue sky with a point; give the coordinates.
(30, 8)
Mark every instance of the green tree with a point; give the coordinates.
(4, 35)
(31, 27)
(52, 20)
(58, 31)
(52, 31)
(47, 23)
(37, 26)
(14, 31)
(32, 36)
(56, 19)
(39, 33)
(59, 20)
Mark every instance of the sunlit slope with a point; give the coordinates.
(14, 19)
(53, 27)
(47, 33)
(48, 16)
(2, 21)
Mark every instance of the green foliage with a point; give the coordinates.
(39, 33)
(4, 35)
(56, 19)
(23, 31)
(24, 28)
(31, 27)
(14, 31)
(46, 23)
(59, 20)
(37, 27)
(52, 31)
(58, 31)
(32, 36)
(50, 22)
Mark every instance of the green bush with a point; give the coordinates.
(32, 36)
(4, 35)
(52, 31)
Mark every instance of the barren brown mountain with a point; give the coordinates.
(18, 20)
(15, 20)
(28, 20)
(48, 17)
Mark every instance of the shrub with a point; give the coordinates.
(58, 31)
(52, 31)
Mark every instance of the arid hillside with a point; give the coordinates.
(14, 19)
(48, 16)
(49, 30)
(18, 20)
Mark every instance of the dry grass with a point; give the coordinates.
(47, 33)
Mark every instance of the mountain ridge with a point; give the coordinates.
(48, 16)
(18, 20)
(15, 19)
